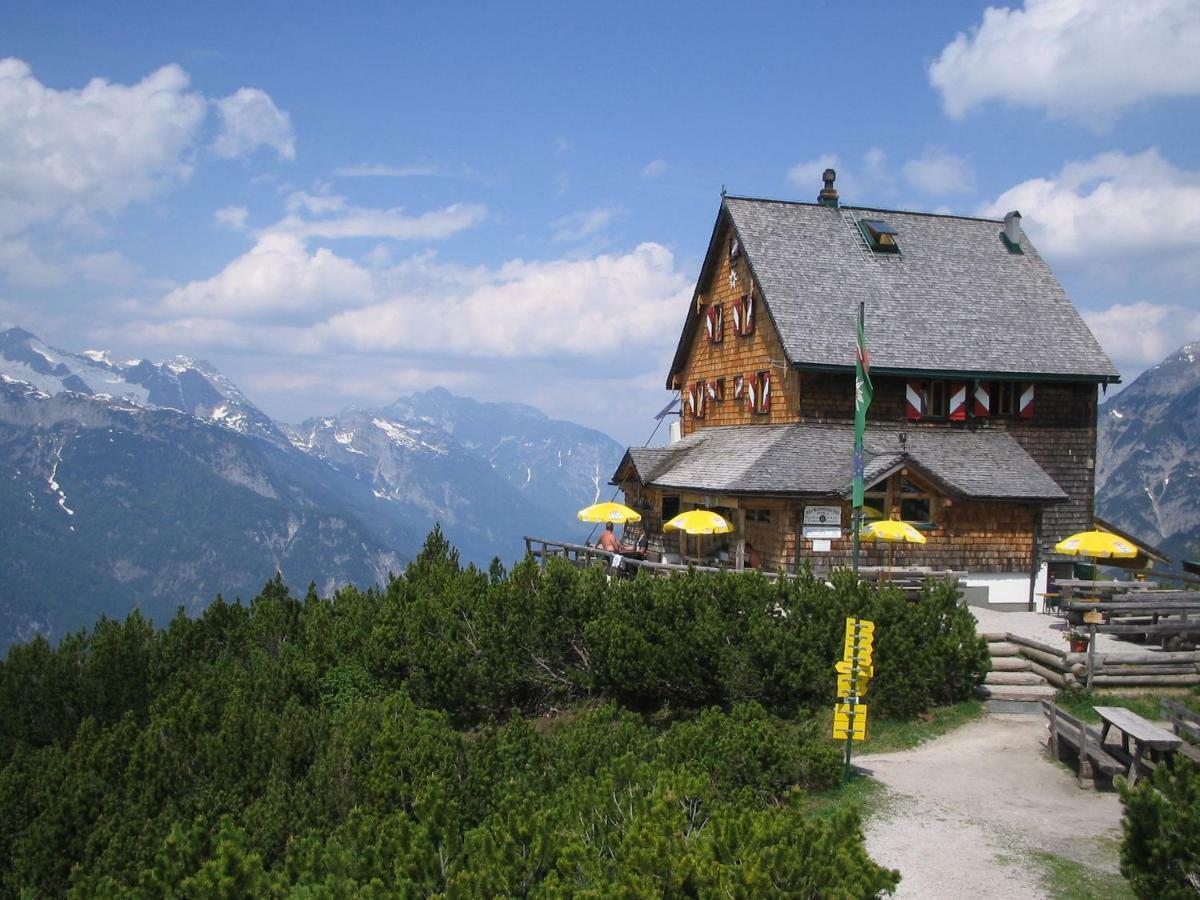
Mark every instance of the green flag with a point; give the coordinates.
(863, 391)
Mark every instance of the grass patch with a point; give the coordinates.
(1066, 879)
(889, 736)
(1147, 704)
(862, 795)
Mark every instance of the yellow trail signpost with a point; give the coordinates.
(854, 671)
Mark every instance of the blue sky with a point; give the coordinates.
(339, 205)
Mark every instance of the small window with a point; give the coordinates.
(937, 400)
(758, 515)
(670, 506)
(1004, 398)
(916, 504)
(880, 236)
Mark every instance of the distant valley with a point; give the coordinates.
(133, 484)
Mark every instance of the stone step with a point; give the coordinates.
(1027, 692)
(1009, 678)
(1014, 707)
(1011, 664)
(1003, 649)
(994, 637)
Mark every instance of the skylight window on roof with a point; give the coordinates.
(880, 236)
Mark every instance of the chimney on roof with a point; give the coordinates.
(1012, 227)
(828, 195)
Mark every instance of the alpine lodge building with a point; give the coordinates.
(982, 429)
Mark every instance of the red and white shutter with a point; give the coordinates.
(914, 400)
(712, 323)
(691, 399)
(748, 314)
(764, 399)
(958, 401)
(711, 389)
(1025, 403)
(739, 386)
(737, 316)
(982, 402)
(701, 398)
(751, 394)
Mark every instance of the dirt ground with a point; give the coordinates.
(967, 813)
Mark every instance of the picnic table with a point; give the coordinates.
(1145, 736)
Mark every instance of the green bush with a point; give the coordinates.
(1160, 854)
(535, 732)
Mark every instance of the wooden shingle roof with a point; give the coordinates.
(809, 459)
(954, 300)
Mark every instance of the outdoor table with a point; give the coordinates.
(1145, 736)
(1050, 601)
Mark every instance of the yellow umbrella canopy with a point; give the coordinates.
(893, 530)
(617, 513)
(699, 521)
(1099, 544)
(870, 512)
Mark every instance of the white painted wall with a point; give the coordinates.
(1006, 587)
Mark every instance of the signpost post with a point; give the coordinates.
(854, 671)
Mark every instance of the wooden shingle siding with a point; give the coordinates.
(738, 354)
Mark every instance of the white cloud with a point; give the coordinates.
(21, 264)
(341, 220)
(1110, 205)
(584, 223)
(1082, 59)
(374, 170)
(284, 296)
(560, 145)
(278, 276)
(111, 267)
(1141, 334)
(561, 308)
(232, 217)
(96, 149)
(249, 120)
(808, 174)
(937, 171)
(654, 169)
(875, 164)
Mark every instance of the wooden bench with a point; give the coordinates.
(1084, 742)
(1186, 724)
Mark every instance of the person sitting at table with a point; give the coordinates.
(608, 540)
(753, 559)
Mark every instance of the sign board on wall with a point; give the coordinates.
(821, 532)
(820, 546)
(823, 515)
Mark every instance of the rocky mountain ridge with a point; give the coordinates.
(154, 485)
(1148, 456)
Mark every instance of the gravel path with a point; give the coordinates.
(966, 811)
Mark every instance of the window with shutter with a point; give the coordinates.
(701, 399)
(981, 402)
(957, 405)
(714, 323)
(914, 400)
(762, 392)
(1025, 403)
(743, 314)
(739, 386)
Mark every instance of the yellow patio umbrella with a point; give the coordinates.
(870, 512)
(616, 513)
(1097, 545)
(894, 531)
(698, 522)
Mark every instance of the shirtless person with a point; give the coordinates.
(608, 540)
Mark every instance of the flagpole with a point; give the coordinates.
(862, 400)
